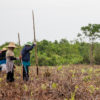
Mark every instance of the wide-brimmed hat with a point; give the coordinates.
(4, 49)
(11, 45)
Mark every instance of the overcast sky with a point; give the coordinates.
(54, 19)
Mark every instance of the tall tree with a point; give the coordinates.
(92, 32)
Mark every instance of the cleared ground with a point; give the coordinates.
(71, 82)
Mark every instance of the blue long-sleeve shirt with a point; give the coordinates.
(26, 53)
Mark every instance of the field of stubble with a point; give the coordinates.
(71, 82)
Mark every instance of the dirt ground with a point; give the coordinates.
(70, 82)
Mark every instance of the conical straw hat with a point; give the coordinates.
(4, 49)
(11, 44)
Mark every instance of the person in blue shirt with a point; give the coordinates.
(26, 59)
(3, 59)
(0, 60)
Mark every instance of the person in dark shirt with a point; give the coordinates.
(26, 59)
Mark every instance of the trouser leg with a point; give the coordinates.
(28, 71)
(25, 73)
(0, 68)
(8, 77)
(12, 76)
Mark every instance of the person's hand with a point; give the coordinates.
(34, 43)
(20, 57)
(17, 58)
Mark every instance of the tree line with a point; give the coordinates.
(65, 52)
(62, 53)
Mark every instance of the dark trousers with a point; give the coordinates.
(0, 69)
(10, 76)
(25, 74)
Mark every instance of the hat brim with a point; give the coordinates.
(4, 50)
(11, 46)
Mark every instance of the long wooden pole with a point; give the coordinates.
(19, 39)
(36, 57)
(20, 53)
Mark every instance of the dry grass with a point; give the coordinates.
(71, 82)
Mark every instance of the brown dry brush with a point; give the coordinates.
(57, 85)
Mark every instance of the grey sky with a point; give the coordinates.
(54, 19)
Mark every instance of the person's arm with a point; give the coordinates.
(12, 58)
(29, 48)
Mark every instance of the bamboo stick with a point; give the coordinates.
(36, 57)
(19, 39)
(20, 54)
